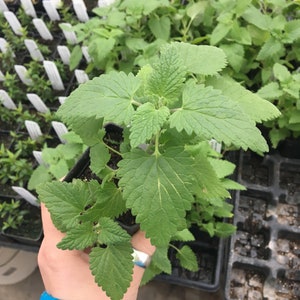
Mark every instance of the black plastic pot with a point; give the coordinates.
(264, 256)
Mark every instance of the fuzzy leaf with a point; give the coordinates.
(292, 30)
(112, 267)
(79, 237)
(224, 229)
(203, 60)
(146, 122)
(254, 16)
(160, 27)
(108, 96)
(264, 110)
(167, 194)
(184, 236)
(99, 156)
(270, 91)
(222, 168)
(209, 114)
(271, 49)
(65, 201)
(187, 258)
(219, 32)
(160, 259)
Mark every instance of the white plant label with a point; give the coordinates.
(2, 77)
(69, 34)
(13, 22)
(57, 3)
(51, 10)
(33, 129)
(28, 8)
(26, 195)
(42, 29)
(33, 49)
(81, 76)
(3, 45)
(215, 145)
(53, 75)
(64, 54)
(6, 100)
(38, 103)
(85, 53)
(80, 10)
(38, 157)
(3, 6)
(23, 75)
(104, 3)
(62, 99)
(60, 130)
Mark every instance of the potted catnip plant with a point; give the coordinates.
(162, 170)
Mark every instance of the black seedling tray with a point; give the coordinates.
(264, 256)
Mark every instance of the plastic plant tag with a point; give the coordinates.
(3, 6)
(104, 3)
(85, 52)
(33, 49)
(57, 3)
(2, 77)
(64, 54)
(80, 10)
(3, 45)
(37, 102)
(51, 10)
(60, 130)
(13, 22)
(81, 76)
(215, 145)
(68, 33)
(23, 75)
(62, 99)
(38, 157)
(42, 29)
(28, 8)
(6, 100)
(26, 195)
(53, 75)
(33, 129)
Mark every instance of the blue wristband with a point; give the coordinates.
(46, 296)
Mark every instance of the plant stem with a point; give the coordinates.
(113, 150)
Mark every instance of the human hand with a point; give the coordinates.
(66, 274)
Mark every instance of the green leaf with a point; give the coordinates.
(168, 74)
(75, 58)
(184, 236)
(264, 110)
(208, 113)
(270, 50)
(108, 201)
(187, 258)
(40, 175)
(112, 267)
(160, 260)
(167, 194)
(111, 233)
(59, 169)
(219, 32)
(282, 73)
(136, 44)
(222, 168)
(240, 34)
(100, 48)
(160, 27)
(203, 60)
(99, 156)
(292, 30)
(254, 16)
(65, 201)
(224, 229)
(295, 117)
(79, 237)
(108, 96)
(147, 121)
(232, 185)
(235, 55)
(270, 91)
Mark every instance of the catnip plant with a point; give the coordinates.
(167, 174)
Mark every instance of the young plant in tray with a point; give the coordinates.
(166, 174)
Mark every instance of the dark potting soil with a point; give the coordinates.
(264, 256)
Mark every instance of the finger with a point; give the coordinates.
(141, 243)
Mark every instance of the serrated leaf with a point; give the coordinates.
(264, 110)
(281, 72)
(229, 184)
(235, 55)
(208, 113)
(187, 258)
(79, 237)
(108, 96)
(146, 122)
(40, 175)
(224, 229)
(112, 267)
(167, 194)
(270, 50)
(161, 261)
(108, 201)
(219, 32)
(100, 48)
(254, 16)
(168, 74)
(59, 169)
(65, 201)
(111, 232)
(222, 168)
(203, 60)
(184, 236)
(270, 91)
(292, 30)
